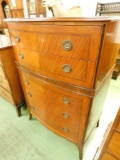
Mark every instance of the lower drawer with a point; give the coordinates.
(4, 83)
(6, 95)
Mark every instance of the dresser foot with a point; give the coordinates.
(30, 116)
(18, 111)
(80, 148)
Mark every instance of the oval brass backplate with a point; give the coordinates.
(67, 45)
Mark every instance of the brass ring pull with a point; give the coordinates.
(65, 129)
(67, 45)
(65, 115)
(17, 38)
(66, 68)
(27, 82)
(66, 101)
(21, 56)
(29, 94)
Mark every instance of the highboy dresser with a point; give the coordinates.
(65, 66)
(10, 86)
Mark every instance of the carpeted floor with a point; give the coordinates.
(21, 139)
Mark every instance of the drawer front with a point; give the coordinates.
(107, 156)
(24, 40)
(6, 95)
(27, 58)
(2, 74)
(58, 109)
(81, 44)
(78, 42)
(4, 83)
(114, 145)
(75, 71)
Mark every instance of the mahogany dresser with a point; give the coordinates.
(110, 148)
(63, 70)
(10, 86)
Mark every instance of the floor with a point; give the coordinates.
(21, 139)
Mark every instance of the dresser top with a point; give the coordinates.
(65, 19)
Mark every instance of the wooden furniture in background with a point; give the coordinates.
(16, 9)
(10, 86)
(4, 13)
(35, 8)
(63, 70)
(110, 147)
(111, 9)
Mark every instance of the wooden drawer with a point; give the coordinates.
(2, 74)
(107, 156)
(74, 71)
(114, 145)
(25, 40)
(57, 67)
(4, 83)
(6, 95)
(27, 58)
(84, 40)
(80, 44)
(118, 126)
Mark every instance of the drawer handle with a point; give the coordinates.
(21, 56)
(29, 94)
(67, 45)
(66, 101)
(66, 68)
(65, 115)
(33, 108)
(17, 38)
(27, 82)
(65, 129)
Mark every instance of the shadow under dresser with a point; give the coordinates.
(63, 71)
(10, 86)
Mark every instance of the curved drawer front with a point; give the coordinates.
(79, 42)
(24, 40)
(4, 83)
(6, 95)
(27, 58)
(2, 74)
(57, 109)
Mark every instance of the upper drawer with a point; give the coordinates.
(80, 42)
(2, 74)
(74, 71)
(24, 40)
